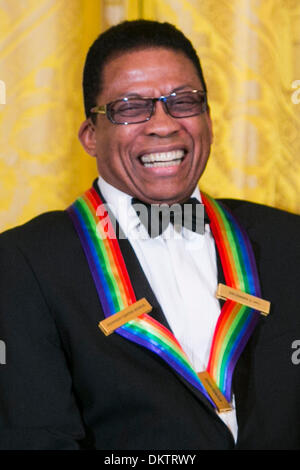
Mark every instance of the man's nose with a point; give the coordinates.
(161, 123)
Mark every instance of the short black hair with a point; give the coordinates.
(126, 36)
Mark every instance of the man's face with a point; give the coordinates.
(119, 148)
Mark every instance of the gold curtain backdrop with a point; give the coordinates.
(250, 53)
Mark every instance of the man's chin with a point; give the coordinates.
(164, 198)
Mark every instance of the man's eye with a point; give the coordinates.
(185, 101)
(130, 107)
(183, 104)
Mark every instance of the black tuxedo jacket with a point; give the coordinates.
(67, 386)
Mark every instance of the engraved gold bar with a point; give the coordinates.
(225, 292)
(214, 392)
(110, 324)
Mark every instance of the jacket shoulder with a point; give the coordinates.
(254, 215)
(41, 233)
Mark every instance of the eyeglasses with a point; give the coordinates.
(134, 110)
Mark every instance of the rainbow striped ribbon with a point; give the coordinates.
(236, 321)
(115, 291)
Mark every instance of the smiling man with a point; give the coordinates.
(121, 339)
(158, 150)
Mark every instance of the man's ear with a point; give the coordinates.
(87, 137)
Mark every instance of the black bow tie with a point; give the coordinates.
(156, 217)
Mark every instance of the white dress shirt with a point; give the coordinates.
(181, 268)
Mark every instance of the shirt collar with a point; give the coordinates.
(120, 205)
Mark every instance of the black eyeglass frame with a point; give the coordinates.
(106, 108)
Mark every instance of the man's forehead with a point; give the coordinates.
(144, 50)
(148, 66)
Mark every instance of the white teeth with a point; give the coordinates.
(163, 157)
(171, 163)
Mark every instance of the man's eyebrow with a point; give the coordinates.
(139, 95)
(128, 95)
(182, 87)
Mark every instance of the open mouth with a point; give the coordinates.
(163, 159)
